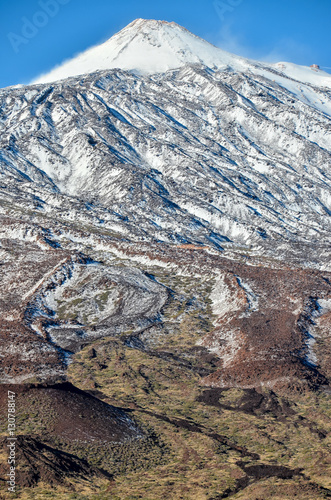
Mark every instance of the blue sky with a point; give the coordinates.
(36, 35)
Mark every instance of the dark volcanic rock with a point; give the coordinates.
(39, 462)
(69, 413)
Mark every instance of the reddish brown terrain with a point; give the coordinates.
(99, 397)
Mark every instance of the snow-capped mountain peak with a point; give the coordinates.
(144, 47)
(147, 47)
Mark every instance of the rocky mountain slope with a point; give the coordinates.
(222, 157)
(165, 264)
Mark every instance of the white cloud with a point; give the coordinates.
(286, 49)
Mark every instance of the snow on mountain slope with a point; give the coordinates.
(228, 159)
(305, 74)
(232, 157)
(149, 47)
